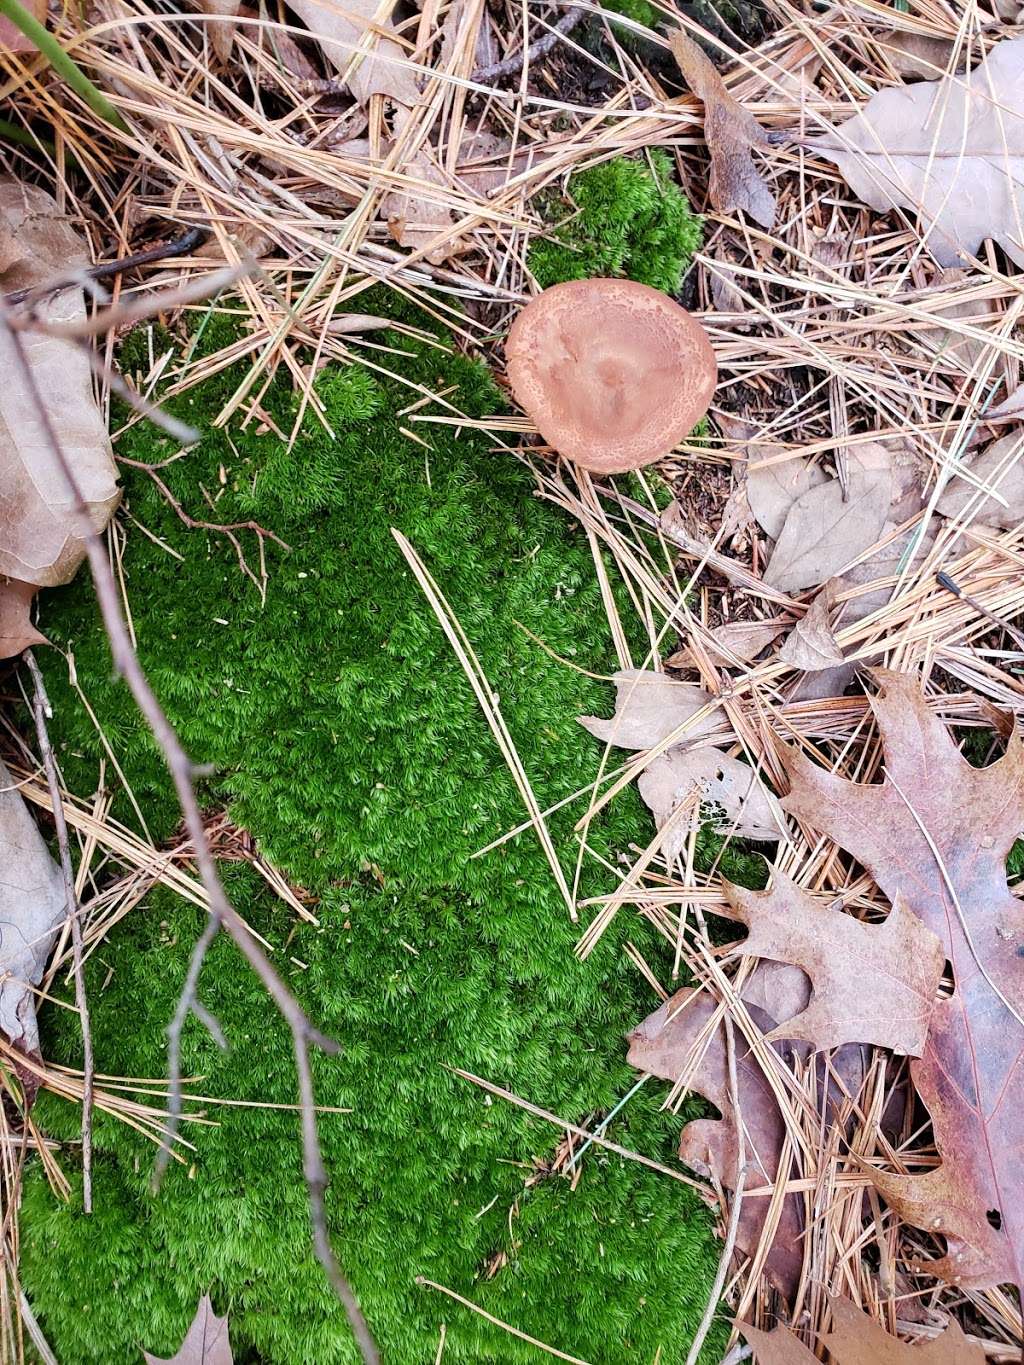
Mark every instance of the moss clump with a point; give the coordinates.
(344, 736)
(624, 217)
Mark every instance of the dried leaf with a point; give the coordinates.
(871, 983)
(666, 1044)
(731, 133)
(811, 644)
(11, 37)
(648, 708)
(919, 54)
(772, 489)
(948, 343)
(938, 832)
(737, 642)
(1001, 468)
(16, 629)
(857, 1339)
(39, 541)
(1011, 409)
(825, 531)
(32, 904)
(345, 31)
(949, 150)
(674, 776)
(206, 1342)
(222, 29)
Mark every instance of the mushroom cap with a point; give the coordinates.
(613, 373)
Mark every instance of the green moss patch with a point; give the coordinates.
(624, 217)
(343, 734)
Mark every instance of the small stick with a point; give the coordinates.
(509, 66)
(951, 585)
(178, 246)
(184, 774)
(40, 710)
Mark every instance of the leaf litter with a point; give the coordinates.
(904, 358)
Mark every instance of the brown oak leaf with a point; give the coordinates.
(857, 1339)
(871, 983)
(937, 832)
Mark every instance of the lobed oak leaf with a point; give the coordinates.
(870, 983)
(857, 1339)
(648, 708)
(937, 832)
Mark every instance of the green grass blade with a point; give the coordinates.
(61, 62)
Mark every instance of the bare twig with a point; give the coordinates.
(40, 711)
(184, 774)
(178, 246)
(226, 529)
(509, 66)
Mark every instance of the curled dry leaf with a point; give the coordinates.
(672, 779)
(206, 1342)
(871, 983)
(32, 905)
(824, 531)
(731, 133)
(668, 1044)
(649, 707)
(1000, 467)
(949, 150)
(811, 644)
(857, 1339)
(938, 832)
(39, 541)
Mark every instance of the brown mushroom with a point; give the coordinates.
(613, 373)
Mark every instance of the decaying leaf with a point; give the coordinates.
(979, 313)
(16, 629)
(772, 489)
(1011, 409)
(667, 1044)
(857, 1339)
(811, 644)
(731, 133)
(724, 782)
(737, 642)
(825, 531)
(32, 904)
(919, 54)
(1001, 468)
(206, 1342)
(949, 150)
(871, 983)
(648, 708)
(39, 540)
(937, 832)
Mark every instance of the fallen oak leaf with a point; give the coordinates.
(39, 535)
(206, 1341)
(648, 708)
(32, 905)
(825, 530)
(949, 150)
(672, 778)
(857, 1339)
(870, 983)
(731, 133)
(938, 832)
(17, 632)
(666, 1045)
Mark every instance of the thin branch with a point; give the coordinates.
(184, 774)
(40, 710)
(509, 66)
